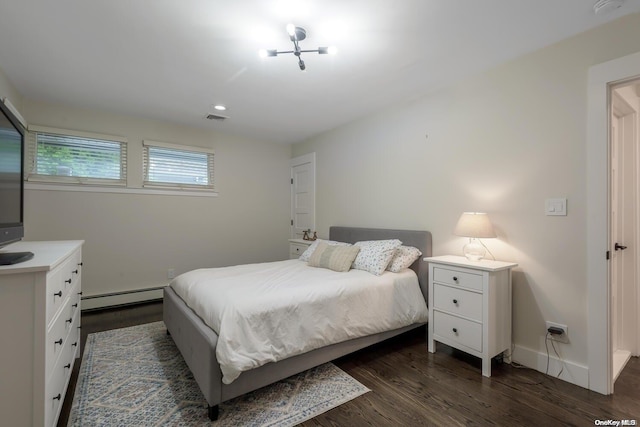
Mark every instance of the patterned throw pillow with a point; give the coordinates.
(403, 258)
(334, 257)
(375, 255)
(307, 253)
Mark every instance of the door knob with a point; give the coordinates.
(619, 247)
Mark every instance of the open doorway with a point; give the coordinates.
(624, 194)
(601, 78)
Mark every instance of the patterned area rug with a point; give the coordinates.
(137, 377)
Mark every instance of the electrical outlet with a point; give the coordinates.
(564, 337)
(171, 273)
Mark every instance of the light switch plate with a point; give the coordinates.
(556, 206)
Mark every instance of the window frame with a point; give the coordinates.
(210, 187)
(31, 174)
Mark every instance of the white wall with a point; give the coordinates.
(132, 240)
(501, 142)
(9, 91)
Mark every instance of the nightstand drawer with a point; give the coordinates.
(457, 278)
(458, 330)
(458, 301)
(296, 250)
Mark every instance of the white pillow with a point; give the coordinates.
(375, 255)
(403, 258)
(306, 255)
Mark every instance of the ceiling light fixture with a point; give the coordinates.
(220, 107)
(297, 34)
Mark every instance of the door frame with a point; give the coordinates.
(626, 116)
(600, 78)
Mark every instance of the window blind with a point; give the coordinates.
(173, 166)
(76, 159)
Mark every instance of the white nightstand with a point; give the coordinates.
(297, 247)
(470, 306)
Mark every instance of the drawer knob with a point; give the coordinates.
(80, 264)
(68, 281)
(67, 366)
(74, 305)
(69, 320)
(75, 271)
(58, 397)
(58, 342)
(79, 293)
(455, 301)
(58, 294)
(455, 330)
(74, 344)
(455, 278)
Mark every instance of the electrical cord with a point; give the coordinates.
(490, 253)
(546, 344)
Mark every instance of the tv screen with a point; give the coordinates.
(11, 183)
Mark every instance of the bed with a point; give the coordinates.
(197, 341)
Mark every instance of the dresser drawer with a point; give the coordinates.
(458, 301)
(56, 339)
(458, 331)
(53, 397)
(55, 293)
(457, 278)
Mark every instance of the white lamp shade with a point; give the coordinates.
(474, 224)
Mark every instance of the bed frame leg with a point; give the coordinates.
(214, 411)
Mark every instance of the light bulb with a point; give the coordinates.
(291, 29)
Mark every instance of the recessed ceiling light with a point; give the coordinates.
(220, 107)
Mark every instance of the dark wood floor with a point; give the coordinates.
(412, 387)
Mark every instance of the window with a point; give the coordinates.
(56, 155)
(177, 166)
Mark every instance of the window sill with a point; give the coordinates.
(123, 190)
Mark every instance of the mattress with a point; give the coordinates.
(268, 312)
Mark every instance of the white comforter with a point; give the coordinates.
(267, 312)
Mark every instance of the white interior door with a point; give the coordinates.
(303, 195)
(624, 225)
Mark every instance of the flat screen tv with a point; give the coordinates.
(12, 147)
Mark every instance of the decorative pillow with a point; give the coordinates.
(334, 257)
(403, 258)
(375, 255)
(312, 247)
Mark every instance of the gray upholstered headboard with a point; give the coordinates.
(418, 238)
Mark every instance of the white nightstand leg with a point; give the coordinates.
(431, 344)
(486, 366)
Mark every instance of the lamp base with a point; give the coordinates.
(474, 251)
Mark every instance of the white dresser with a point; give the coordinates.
(40, 330)
(470, 306)
(297, 247)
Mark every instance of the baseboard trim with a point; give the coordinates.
(573, 373)
(116, 299)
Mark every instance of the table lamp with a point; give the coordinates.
(474, 225)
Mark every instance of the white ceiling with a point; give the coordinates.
(173, 59)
